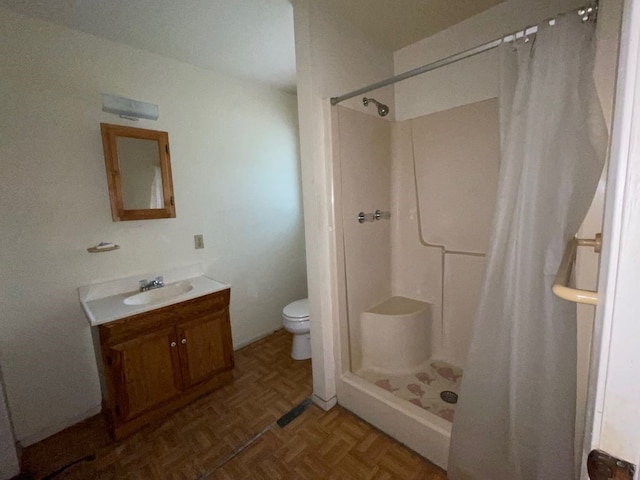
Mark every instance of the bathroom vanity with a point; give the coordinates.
(164, 349)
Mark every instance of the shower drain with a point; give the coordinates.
(449, 396)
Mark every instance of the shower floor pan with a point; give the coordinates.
(423, 388)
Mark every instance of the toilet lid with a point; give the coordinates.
(298, 309)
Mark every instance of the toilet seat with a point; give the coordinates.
(297, 311)
(293, 319)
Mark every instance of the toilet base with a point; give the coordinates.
(301, 348)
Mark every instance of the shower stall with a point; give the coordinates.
(414, 201)
(412, 277)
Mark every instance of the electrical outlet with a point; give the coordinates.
(199, 241)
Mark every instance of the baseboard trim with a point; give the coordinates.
(255, 339)
(52, 430)
(326, 405)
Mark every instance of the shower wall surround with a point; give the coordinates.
(456, 160)
(456, 155)
(374, 169)
(365, 146)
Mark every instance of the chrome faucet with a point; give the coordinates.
(158, 282)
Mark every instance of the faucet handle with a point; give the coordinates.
(143, 283)
(160, 280)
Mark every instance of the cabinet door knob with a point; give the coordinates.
(173, 344)
(183, 341)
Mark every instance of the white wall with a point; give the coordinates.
(236, 173)
(331, 59)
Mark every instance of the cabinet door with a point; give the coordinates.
(205, 346)
(145, 372)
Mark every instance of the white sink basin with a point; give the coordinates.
(115, 299)
(161, 294)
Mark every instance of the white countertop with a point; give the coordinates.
(104, 302)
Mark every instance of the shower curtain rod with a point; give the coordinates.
(588, 13)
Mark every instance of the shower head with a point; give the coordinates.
(382, 108)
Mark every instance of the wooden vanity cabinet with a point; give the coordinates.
(158, 361)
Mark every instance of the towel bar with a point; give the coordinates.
(560, 284)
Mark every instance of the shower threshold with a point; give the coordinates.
(424, 387)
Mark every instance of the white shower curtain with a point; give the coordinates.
(157, 195)
(515, 418)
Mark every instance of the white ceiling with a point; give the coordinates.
(250, 39)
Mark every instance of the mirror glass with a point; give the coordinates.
(138, 173)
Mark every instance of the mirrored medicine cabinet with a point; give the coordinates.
(138, 173)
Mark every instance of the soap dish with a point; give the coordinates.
(103, 248)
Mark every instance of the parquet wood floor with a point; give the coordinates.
(204, 440)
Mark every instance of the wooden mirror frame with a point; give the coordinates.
(110, 134)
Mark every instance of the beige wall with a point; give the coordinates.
(441, 231)
(432, 249)
(457, 157)
(365, 164)
(236, 178)
(416, 270)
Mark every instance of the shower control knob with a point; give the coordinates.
(365, 217)
(380, 215)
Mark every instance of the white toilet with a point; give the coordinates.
(295, 319)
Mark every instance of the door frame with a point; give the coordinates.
(613, 416)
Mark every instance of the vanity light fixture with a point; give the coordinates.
(130, 109)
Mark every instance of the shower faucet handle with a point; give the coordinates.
(370, 217)
(380, 215)
(366, 217)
